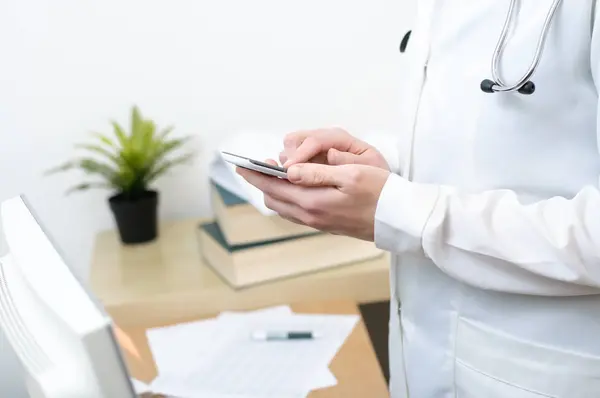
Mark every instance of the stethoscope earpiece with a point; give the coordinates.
(487, 86)
(528, 88)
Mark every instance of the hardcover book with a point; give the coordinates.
(248, 264)
(241, 222)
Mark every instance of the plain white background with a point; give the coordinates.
(209, 67)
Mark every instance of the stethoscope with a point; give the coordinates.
(496, 84)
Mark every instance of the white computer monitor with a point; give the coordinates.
(59, 331)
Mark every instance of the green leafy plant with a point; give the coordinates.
(128, 162)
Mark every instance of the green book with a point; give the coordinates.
(215, 232)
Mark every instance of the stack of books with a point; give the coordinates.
(246, 247)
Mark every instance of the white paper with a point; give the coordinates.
(171, 386)
(322, 379)
(178, 345)
(217, 358)
(273, 369)
(139, 386)
(225, 176)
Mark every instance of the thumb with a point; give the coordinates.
(335, 157)
(316, 174)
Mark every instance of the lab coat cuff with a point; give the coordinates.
(402, 212)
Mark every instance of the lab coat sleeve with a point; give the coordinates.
(492, 240)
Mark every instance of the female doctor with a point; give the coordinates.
(491, 209)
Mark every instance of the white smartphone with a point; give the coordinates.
(256, 165)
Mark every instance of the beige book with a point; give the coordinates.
(250, 264)
(242, 223)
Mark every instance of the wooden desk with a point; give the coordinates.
(166, 281)
(355, 366)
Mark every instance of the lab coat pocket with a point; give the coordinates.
(492, 364)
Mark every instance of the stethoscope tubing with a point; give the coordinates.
(500, 85)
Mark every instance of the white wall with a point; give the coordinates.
(209, 67)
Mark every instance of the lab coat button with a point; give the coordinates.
(404, 41)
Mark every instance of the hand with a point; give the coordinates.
(337, 199)
(329, 146)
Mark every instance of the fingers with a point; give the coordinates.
(313, 174)
(286, 210)
(303, 197)
(308, 149)
(283, 157)
(306, 203)
(308, 211)
(293, 140)
(318, 157)
(335, 157)
(303, 146)
(272, 186)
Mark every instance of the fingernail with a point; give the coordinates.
(294, 173)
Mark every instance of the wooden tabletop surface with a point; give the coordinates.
(167, 281)
(355, 366)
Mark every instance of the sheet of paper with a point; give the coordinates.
(171, 387)
(139, 386)
(181, 349)
(201, 337)
(183, 343)
(220, 172)
(177, 346)
(322, 379)
(274, 369)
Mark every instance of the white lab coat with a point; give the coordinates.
(493, 218)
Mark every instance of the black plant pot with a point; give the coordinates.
(136, 219)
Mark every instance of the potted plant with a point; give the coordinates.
(128, 163)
